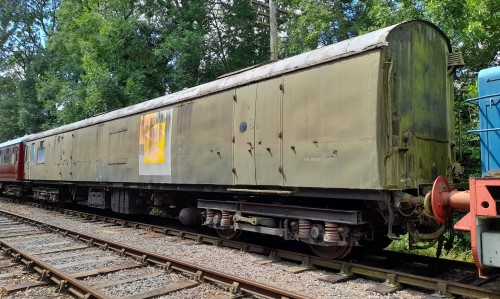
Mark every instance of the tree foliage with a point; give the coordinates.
(25, 27)
(9, 107)
(320, 23)
(110, 54)
(100, 59)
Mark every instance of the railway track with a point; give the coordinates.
(387, 268)
(45, 249)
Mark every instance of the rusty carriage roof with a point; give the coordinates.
(343, 49)
(14, 141)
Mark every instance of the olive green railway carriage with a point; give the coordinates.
(310, 147)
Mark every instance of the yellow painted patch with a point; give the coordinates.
(152, 136)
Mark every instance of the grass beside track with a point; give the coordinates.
(461, 250)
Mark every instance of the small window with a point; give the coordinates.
(14, 155)
(1, 157)
(32, 154)
(6, 157)
(40, 153)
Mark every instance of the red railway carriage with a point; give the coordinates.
(12, 165)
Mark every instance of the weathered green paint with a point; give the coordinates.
(330, 125)
(340, 124)
(420, 104)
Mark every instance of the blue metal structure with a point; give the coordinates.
(482, 199)
(489, 120)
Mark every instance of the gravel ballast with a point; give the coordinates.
(217, 258)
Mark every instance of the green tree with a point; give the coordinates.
(114, 53)
(319, 23)
(209, 38)
(183, 43)
(236, 39)
(9, 107)
(102, 58)
(25, 25)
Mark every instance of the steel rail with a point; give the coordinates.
(396, 277)
(47, 272)
(234, 283)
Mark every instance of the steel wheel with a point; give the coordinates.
(228, 234)
(331, 252)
